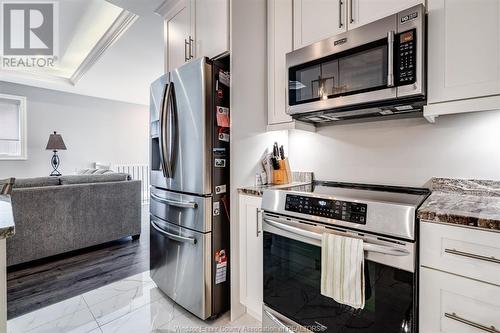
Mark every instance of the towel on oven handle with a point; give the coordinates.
(342, 270)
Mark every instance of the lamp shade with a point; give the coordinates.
(55, 142)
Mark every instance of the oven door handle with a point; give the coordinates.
(369, 247)
(283, 327)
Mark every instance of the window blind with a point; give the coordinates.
(9, 121)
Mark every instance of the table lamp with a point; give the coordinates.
(55, 143)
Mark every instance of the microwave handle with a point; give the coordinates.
(390, 59)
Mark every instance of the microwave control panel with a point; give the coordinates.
(406, 59)
(332, 209)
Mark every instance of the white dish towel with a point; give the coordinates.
(342, 270)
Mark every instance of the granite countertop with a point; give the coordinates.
(6, 217)
(299, 179)
(259, 190)
(472, 203)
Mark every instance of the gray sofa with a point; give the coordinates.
(55, 215)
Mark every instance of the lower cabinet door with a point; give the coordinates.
(454, 304)
(251, 275)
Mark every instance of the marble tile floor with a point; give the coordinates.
(131, 305)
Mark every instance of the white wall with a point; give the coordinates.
(402, 152)
(93, 129)
(248, 113)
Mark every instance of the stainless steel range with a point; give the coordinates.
(293, 223)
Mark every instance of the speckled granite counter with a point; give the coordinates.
(299, 179)
(6, 217)
(259, 190)
(472, 203)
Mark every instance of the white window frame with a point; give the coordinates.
(23, 124)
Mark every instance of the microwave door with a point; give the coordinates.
(361, 75)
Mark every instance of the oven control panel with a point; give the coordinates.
(406, 59)
(332, 209)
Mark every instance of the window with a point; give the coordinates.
(13, 145)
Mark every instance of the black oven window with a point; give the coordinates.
(292, 277)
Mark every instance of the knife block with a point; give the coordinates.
(283, 174)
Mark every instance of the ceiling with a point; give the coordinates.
(104, 51)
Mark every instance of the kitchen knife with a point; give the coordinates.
(282, 152)
(275, 150)
(275, 163)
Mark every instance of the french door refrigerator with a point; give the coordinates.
(189, 215)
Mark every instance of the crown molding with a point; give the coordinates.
(166, 6)
(115, 31)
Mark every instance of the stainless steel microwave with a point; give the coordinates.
(376, 70)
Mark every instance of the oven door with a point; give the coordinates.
(292, 279)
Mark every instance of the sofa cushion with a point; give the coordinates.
(84, 179)
(36, 182)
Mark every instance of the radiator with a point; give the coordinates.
(137, 172)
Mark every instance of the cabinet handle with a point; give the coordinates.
(351, 17)
(186, 45)
(191, 41)
(340, 14)
(258, 219)
(454, 316)
(473, 256)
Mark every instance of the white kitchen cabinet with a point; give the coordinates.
(461, 251)
(463, 54)
(251, 275)
(361, 12)
(453, 304)
(211, 27)
(279, 43)
(315, 20)
(459, 279)
(177, 35)
(195, 28)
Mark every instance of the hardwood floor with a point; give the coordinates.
(41, 283)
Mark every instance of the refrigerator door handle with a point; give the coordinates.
(166, 123)
(173, 236)
(171, 124)
(182, 204)
(161, 131)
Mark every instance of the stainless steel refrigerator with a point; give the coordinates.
(189, 206)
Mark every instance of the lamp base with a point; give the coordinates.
(54, 161)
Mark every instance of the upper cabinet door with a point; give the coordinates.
(315, 20)
(212, 27)
(365, 11)
(463, 49)
(178, 34)
(279, 43)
